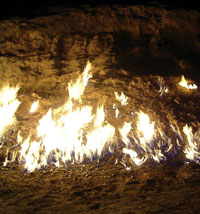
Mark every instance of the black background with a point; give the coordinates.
(32, 8)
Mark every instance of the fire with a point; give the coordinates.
(70, 133)
(134, 156)
(124, 132)
(8, 106)
(185, 84)
(123, 101)
(192, 148)
(77, 132)
(76, 90)
(100, 136)
(145, 142)
(121, 98)
(34, 106)
(116, 111)
(145, 127)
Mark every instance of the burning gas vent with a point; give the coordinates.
(75, 132)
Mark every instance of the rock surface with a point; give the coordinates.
(138, 39)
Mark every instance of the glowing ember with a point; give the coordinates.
(121, 98)
(185, 84)
(34, 106)
(8, 106)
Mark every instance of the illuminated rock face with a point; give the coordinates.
(135, 38)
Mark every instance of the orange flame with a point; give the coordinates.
(185, 84)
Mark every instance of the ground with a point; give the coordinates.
(101, 188)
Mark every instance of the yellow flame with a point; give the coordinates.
(8, 106)
(76, 90)
(75, 132)
(185, 84)
(146, 143)
(69, 133)
(144, 126)
(121, 98)
(124, 131)
(192, 148)
(34, 106)
(66, 137)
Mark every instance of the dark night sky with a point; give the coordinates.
(30, 8)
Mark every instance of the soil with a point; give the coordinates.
(101, 188)
(134, 49)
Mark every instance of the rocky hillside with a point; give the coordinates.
(149, 39)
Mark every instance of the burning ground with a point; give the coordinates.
(99, 111)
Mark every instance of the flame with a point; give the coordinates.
(100, 136)
(146, 143)
(76, 90)
(192, 148)
(185, 84)
(76, 132)
(124, 131)
(69, 133)
(34, 106)
(116, 111)
(144, 126)
(134, 156)
(121, 98)
(8, 106)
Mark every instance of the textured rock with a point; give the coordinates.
(129, 37)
